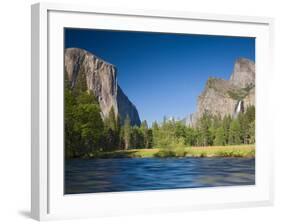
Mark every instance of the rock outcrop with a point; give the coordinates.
(243, 73)
(227, 97)
(99, 77)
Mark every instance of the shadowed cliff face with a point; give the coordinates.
(126, 107)
(228, 97)
(99, 77)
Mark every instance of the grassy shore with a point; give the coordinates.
(246, 151)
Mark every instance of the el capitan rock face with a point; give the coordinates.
(100, 77)
(227, 97)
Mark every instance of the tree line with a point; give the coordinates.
(86, 132)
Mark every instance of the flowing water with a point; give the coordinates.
(113, 175)
(238, 107)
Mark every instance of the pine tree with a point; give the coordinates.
(110, 121)
(191, 136)
(250, 113)
(252, 137)
(244, 128)
(149, 139)
(155, 131)
(226, 126)
(204, 128)
(127, 132)
(69, 121)
(219, 137)
(250, 116)
(137, 138)
(234, 133)
(112, 131)
(144, 130)
(118, 132)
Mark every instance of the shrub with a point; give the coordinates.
(181, 152)
(165, 153)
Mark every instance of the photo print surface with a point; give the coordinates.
(157, 111)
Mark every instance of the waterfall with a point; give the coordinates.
(238, 108)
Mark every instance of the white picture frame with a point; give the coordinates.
(48, 201)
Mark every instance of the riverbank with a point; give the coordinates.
(245, 151)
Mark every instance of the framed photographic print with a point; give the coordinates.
(148, 111)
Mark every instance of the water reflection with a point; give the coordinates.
(111, 175)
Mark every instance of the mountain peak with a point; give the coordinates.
(221, 97)
(99, 77)
(243, 73)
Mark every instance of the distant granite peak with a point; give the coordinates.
(243, 73)
(227, 97)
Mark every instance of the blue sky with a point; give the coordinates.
(163, 74)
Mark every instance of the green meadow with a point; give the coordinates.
(245, 151)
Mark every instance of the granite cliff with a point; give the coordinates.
(227, 97)
(99, 77)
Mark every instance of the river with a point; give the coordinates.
(115, 175)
